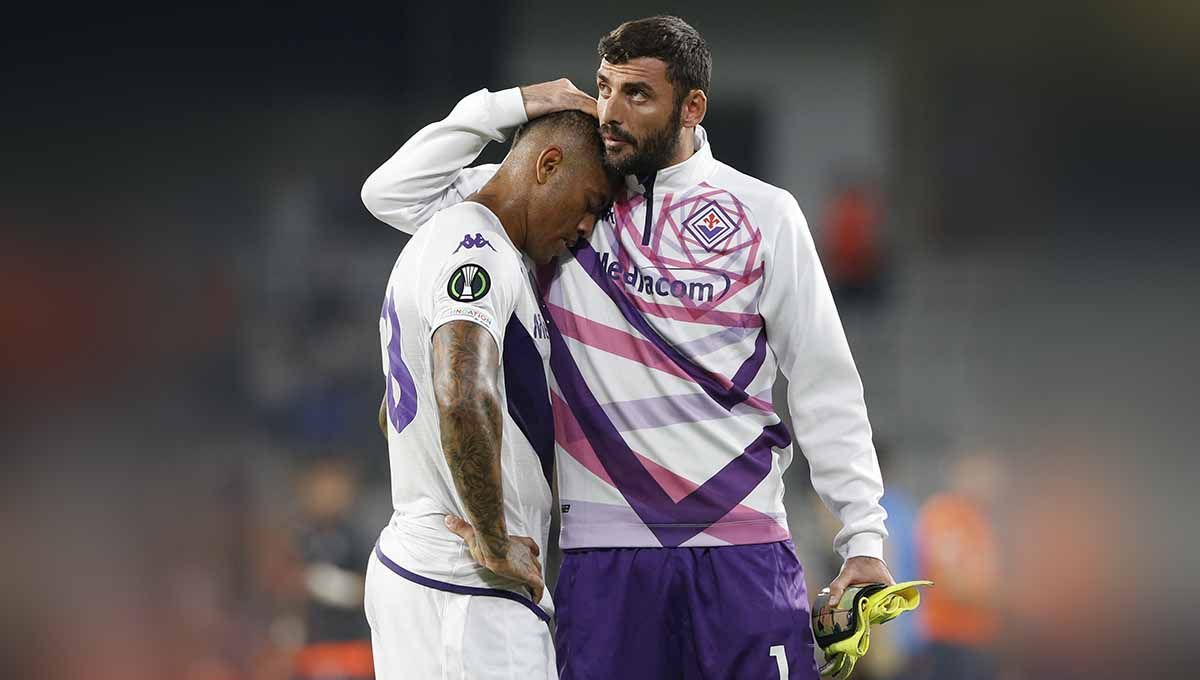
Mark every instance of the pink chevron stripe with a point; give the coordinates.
(750, 524)
(571, 439)
(623, 344)
(676, 487)
(613, 340)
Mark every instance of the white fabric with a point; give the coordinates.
(684, 440)
(419, 633)
(417, 303)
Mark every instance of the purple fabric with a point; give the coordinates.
(457, 589)
(682, 613)
(672, 523)
(528, 396)
(401, 412)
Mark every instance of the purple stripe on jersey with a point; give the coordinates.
(458, 589)
(672, 523)
(753, 363)
(658, 411)
(527, 394)
(400, 411)
(725, 396)
(636, 414)
(712, 342)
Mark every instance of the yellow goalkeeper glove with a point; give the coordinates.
(843, 632)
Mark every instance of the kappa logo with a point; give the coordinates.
(469, 283)
(477, 242)
(711, 225)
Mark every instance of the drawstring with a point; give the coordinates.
(648, 183)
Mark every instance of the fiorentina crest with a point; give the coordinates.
(710, 225)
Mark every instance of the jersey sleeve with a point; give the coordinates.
(825, 393)
(480, 281)
(427, 174)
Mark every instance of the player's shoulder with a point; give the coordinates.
(748, 188)
(468, 228)
(767, 203)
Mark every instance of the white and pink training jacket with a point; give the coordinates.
(667, 329)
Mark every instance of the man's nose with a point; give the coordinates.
(609, 111)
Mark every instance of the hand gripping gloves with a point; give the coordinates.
(843, 631)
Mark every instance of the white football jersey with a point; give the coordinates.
(668, 328)
(462, 267)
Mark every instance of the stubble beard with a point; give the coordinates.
(650, 154)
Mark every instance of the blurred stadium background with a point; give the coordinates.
(1006, 199)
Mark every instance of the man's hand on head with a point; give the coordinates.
(859, 571)
(556, 95)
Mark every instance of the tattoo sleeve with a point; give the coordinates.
(466, 364)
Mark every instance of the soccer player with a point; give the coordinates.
(467, 414)
(667, 329)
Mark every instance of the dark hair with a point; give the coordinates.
(568, 126)
(666, 38)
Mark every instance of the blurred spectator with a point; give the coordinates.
(853, 252)
(1077, 604)
(957, 549)
(337, 638)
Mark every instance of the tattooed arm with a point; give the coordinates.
(466, 364)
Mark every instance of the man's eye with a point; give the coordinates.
(638, 95)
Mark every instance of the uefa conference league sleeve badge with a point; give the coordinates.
(469, 283)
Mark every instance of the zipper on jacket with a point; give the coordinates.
(648, 184)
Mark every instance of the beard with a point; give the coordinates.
(650, 153)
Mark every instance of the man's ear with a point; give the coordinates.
(548, 162)
(695, 105)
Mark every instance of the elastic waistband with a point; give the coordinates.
(459, 589)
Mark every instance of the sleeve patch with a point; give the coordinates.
(469, 283)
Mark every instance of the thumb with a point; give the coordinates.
(460, 527)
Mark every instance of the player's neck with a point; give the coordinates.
(684, 149)
(509, 210)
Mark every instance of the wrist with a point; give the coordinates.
(865, 544)
(493, 546)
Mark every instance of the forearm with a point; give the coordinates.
(418, 179)
(465, 360)
(471, 442)
(829, 417)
